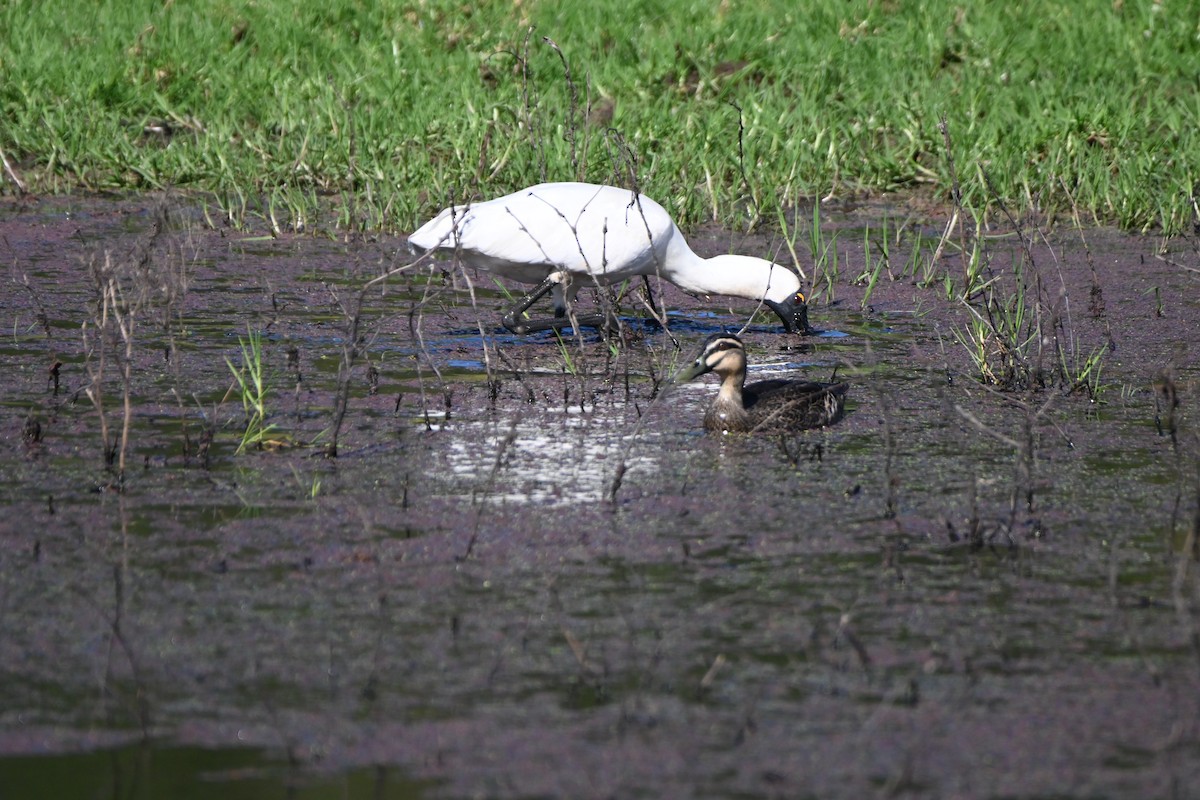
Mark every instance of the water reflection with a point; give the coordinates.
(566, 457)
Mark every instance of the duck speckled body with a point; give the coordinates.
(774, 406)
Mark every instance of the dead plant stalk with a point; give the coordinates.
(113, 310)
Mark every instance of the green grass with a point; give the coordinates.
(373, 114)
(251, 382)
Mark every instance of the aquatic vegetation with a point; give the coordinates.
(253, 389)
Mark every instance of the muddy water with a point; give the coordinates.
(467, 602)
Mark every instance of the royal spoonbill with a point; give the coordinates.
(771, 406)
(563, 236)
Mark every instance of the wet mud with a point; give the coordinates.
(529, 572)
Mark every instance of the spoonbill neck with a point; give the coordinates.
(737, 276)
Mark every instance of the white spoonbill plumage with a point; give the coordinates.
(562, 236)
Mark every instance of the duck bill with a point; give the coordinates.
(693, 370)
(793, 313)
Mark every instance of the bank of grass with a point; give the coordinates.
(378, 112)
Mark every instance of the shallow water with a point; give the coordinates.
(468, 602)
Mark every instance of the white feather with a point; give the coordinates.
(593, 232)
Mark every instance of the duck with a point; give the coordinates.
(772, 406)
(563, 236)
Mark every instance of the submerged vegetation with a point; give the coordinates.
(380, 113)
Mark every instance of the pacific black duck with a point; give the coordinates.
(776, 406)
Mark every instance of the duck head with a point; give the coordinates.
(722, 353)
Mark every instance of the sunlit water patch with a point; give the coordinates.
(548, 457)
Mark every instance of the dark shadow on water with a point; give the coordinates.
(690, 326)
(152, 772)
